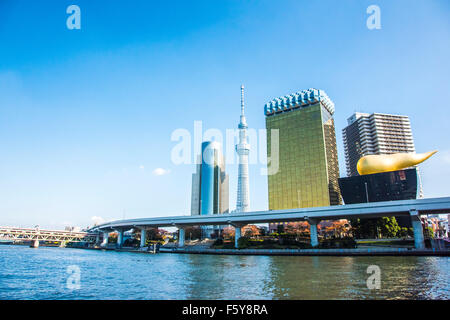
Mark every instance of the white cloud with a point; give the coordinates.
(161, 172)
(97, 220)
(141, 167)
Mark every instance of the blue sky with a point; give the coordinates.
(86, 116)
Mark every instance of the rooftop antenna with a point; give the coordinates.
(242, 99)
(243, 122)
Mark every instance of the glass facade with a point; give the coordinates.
(210, 185)
(308, 168)
(210, 182)
(385, 186)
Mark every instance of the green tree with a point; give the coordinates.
(388, 227)
(403, 232)
(280, 228)
(375, 227)
(428, 233)
(243, 243)
(364, 228)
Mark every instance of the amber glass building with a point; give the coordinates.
(308, 169)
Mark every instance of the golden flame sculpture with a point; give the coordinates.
(391, 162)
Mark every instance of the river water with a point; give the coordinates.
(53, 273)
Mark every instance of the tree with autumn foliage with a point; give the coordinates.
(193, 233)
(250, 230)
(297, 228)
(338, 229)
(228, 232)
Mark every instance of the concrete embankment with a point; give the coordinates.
(367, 251)
(313, 252)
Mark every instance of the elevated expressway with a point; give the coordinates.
(413, 208)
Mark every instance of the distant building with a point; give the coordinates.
(375, 133)
(308, 164)
(72, 229)
(210, 184)
(438, 225)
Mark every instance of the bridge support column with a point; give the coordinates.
(119, 238)
(34, 244)
(180, 237)
(105, 239)
(62, 244)
(313, 231)
(419, 241)
(143, 237)
(237, 235)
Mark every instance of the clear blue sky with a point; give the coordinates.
(86, 115)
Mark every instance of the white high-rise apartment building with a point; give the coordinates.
(375, 133)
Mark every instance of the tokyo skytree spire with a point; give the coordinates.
(243, 149)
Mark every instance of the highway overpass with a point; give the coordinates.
(413, 208)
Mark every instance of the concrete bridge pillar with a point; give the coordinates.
(419, 241)
(143, 237)
(119, 239)
(105, 239)
(34, 244)
(313, 231)
(180, 237)
(237, 235)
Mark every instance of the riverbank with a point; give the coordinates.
(366, 251)
(313, 252)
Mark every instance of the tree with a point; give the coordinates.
(388, 227)
(243, 243)
(250, 231)
(297, 228)
(193, 232)
(280, 228)
(429, 233)
(404, 232)
(153, 234)
(112, 238)
(375, 227)
(228, 232)
(336, 229)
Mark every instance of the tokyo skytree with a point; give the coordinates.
(243, 149)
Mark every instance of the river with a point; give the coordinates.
(64, 273)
